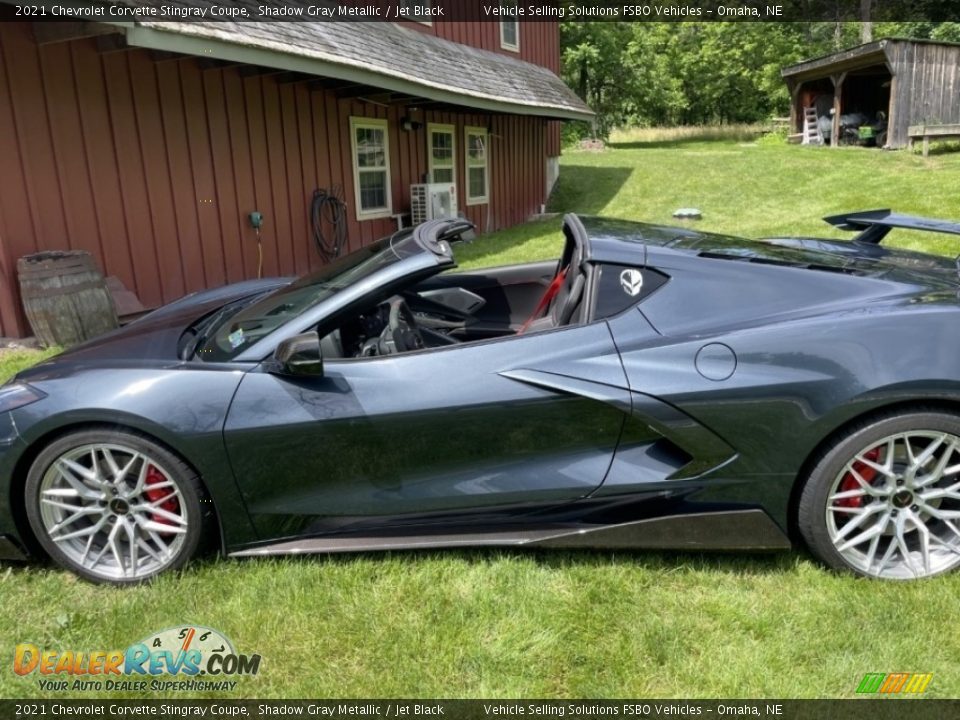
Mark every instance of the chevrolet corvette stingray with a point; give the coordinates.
(654, 387)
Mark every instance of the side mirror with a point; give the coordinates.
(299, 356)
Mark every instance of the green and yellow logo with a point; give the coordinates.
(894, 683)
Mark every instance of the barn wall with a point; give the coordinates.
(539, 40)
(539, 44)
(152, 166)
(926, 88)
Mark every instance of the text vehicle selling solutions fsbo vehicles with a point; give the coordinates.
(655, 387)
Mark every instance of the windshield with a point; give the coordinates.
(228, 337)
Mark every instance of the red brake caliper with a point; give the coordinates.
(172, 505)
(849, 482)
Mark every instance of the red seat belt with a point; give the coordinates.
(552, 289)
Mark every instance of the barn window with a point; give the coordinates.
(442, 153)
(477, 165)
(416, 10)
(371, 167)
(510, 29)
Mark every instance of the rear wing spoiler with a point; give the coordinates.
(873, 225)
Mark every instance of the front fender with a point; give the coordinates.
(183, 407)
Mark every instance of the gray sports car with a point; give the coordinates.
(654, 387)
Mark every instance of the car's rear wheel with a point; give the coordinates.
(884, 499)
(115, 506)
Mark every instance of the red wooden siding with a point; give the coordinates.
(553, 138)
(153, 166)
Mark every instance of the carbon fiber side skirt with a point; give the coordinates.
(751, 530)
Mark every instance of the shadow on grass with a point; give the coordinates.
(941, 148)
(587, 189)
(583, 189)
(535, 240)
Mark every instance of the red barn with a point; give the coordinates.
(148, 144)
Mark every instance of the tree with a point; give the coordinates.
(650, 73)
(866, 25)
(591, 54)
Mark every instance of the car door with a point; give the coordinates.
(527, 421)
(494, 301)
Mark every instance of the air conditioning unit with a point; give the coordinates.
(430, 201)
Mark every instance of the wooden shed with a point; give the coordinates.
(912, 82)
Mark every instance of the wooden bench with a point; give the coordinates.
(941, 132)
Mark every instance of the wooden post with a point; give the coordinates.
(837, 107)
(796, 112)
(9, 315)
(892, 112)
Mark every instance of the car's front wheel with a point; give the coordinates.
(884, 499)
(115, 506)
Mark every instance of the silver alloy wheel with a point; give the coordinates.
(893, 510)
(113, 510)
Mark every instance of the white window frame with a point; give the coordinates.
(405, 4)
(513, 47)
(451, 130)
(467, 164)
(357, 123)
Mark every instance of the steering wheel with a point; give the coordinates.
(402, 333)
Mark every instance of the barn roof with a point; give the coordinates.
(379, 54)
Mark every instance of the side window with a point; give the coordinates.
(510, 29)
(442, 157)
(475, 159)
(416, 10)
(619, 287)
(371, 167)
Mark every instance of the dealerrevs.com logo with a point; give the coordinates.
(188, 658)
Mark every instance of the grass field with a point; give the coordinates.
(747, 185)
(512, 624)
(13, 361)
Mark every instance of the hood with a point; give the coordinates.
(155, 336)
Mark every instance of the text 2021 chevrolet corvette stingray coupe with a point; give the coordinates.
(654, 388)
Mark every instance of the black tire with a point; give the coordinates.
(828, 471)
(190, 502)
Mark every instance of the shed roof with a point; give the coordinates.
(850, 59)
(380, 54)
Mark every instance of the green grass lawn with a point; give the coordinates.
(13, 361)
(571, 624)
(758, 188)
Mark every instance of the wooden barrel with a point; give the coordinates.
(65, 297)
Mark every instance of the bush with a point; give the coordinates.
(574, 131)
